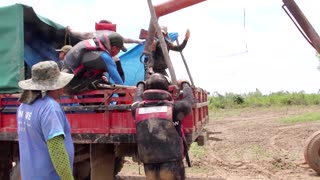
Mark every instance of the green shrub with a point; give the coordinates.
(257, 99)
(302, 118)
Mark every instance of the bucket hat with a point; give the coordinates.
(46, 76)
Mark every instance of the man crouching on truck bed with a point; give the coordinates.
(158, 127)
(45, 143)
(90, 59)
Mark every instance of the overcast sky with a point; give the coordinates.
(268, 54)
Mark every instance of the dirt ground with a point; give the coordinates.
(249, 144)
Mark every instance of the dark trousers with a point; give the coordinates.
(78, 85)
(172, 170)
(155, 70)
(161, 71)
(84, 80)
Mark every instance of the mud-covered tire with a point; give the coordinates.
(119, 161)
(312, 151)
(15, 172)
(5, 160)
(81, 170)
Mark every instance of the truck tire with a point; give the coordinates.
(118, 164)
(15, 172)
(82, 169)
(312, 151)
(102, 161)
(5, 160)
(5, 168)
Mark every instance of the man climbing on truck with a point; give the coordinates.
(158, 127)
(90, 59)
(104, 27)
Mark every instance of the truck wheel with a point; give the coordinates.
(102, 161)
(5, 160)
(15, 173)
(312, 151)
(81, 170)
(5, 168)
(119, 161)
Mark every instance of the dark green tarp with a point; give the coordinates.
(11, 48)
(25, 39)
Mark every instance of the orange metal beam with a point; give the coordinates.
(304, 23)
(156, 12)
(173, 5)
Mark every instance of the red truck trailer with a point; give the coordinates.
(103, 129)
(102, 125)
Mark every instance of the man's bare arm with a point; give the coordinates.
(129, 40)
(80, 35)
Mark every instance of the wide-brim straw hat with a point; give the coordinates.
(46, 76)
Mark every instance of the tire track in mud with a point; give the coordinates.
(282, 131)
(276, 138)
(236, 145)
(289, 136)
(241, 166)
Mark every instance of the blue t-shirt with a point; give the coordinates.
(38, 123)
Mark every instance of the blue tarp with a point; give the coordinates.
(131, 65)
(37, 51)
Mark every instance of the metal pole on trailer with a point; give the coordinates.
(186, 65)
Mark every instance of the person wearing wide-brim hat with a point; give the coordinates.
(45, 143)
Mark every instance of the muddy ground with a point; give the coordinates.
(249, 144)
